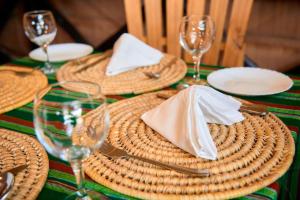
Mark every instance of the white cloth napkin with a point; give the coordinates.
(183, 118)
(130, 53)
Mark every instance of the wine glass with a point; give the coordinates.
(196, 36)
(40, 28)
(72, 125)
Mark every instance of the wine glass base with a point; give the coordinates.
(47, 70)
(188, 81)
(192, 81)
(91, 195)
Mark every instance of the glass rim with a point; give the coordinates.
(37, 12)
(187, 17)
(43, 91)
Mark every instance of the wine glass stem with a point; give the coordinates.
(79, 175)
(47, 63)
(197, 61)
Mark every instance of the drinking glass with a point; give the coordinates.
(72, 125)
(196, 36)
(40, 28)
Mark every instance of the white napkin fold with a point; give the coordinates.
(183, 118)
(130, 53)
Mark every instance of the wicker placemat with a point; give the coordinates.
(17, 90)
(251, 155)
(134, 81)
(17, 149)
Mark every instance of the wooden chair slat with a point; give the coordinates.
(195, 7)
(240, 57)
(218, 10)
(227, 52)
(154, 23)
(174, 15)
(134, 18)
(238, 24)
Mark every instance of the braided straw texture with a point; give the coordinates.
(17, 149)
(133, 81)
(251, 155)
(16, 91)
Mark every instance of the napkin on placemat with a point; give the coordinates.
(130, 53)
(183, 118)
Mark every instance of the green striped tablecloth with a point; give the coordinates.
(61, 181)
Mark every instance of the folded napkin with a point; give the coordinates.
(183, 118)
(130, 53)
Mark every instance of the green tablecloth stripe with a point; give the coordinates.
(244, 198)
(270, 108)
(290, 120)
(284, 182)
(26, 108)
(17, 127)
(296, 84)
(26, 112)
(69, 179)
(268, 193)
(51, 191)
(52, 79)
(275, 99)
(287, 177)
(293, 187)
(284, 111)
(26, 61)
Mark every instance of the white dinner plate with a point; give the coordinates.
(249, 81)
(62, 52)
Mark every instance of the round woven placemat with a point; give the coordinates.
(251, 155)
(133, 81)
(17, 90)
(17, 149)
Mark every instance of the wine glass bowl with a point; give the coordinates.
(196, 36)
(63, 126)
(40, 28)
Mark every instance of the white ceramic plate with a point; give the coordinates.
(249, 81)
(62, 52)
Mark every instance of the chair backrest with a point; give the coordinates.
(156, 22)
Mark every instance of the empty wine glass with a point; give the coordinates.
(71, 125)
(196, 36)
(40, 28)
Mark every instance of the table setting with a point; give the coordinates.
(130, 133)
(19, 85)
(19, 150)
(127, 66)
(143, 124)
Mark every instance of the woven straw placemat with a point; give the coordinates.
(17, 90)
(17, 149)
(133, 81)
(251, 155)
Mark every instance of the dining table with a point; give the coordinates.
(61, 181)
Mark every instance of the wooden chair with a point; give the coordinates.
(156, 22)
